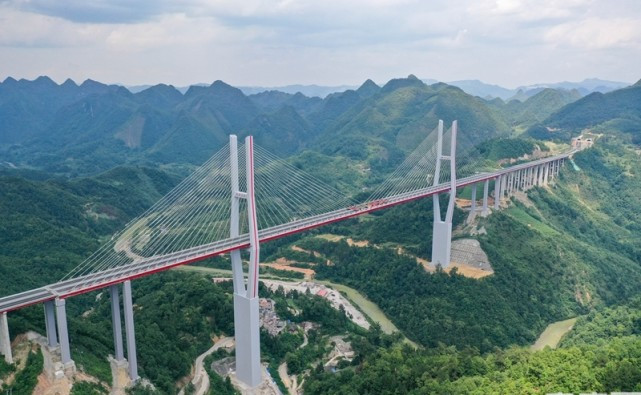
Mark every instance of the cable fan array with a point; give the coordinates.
(419, 168)
(197, 211)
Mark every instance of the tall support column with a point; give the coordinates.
(546, 171)
(486, 192)
(541, 175)
(50, 323)
(246, 319)
(63, 333)
(472, 213)
(116, 323)
(497, 189)
(442, 229)
(503, 185)
(130, 331)
(535, 175)
(5, 339)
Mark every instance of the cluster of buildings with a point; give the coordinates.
(273, 324)
(268, 317)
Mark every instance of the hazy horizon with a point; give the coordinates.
(346, 86)
(276, 43)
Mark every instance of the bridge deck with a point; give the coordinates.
(147, 266)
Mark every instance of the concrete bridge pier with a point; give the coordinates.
(130, 331)
(116, 322)
(472, 213)
(533, 178)
(506, 183)
(50, 324)
(539, 175)
(486, 188)
(130, 364)
(5, 339)
(497, 192)
(63, 336)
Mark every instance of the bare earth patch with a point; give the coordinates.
(553, 334)
(467, 256)
(285, 264)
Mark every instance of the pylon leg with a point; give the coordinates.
(441, 243)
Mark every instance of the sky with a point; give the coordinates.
(327, 42)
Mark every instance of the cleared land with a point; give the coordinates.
(553, 334)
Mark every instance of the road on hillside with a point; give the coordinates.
(201, 378)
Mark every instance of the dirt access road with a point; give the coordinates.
(201, 378)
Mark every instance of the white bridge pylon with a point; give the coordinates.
(246, 321)
(442, 228)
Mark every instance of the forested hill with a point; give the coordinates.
(50, 226)
(76, 130)
(616, 111)
(536, 108)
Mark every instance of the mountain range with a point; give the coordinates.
(473, 87)
(73, 129)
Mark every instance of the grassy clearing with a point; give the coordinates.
(553, 334)
(522, 216)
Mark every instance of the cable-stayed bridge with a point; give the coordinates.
(244, 196)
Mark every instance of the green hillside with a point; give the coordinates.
(616, 111)
(49, 227)
(396, 119)
(82, 130)
(533, 109)
(572, 253)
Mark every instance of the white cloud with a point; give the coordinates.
(263, 42)
(596, 33)
(24, 29)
